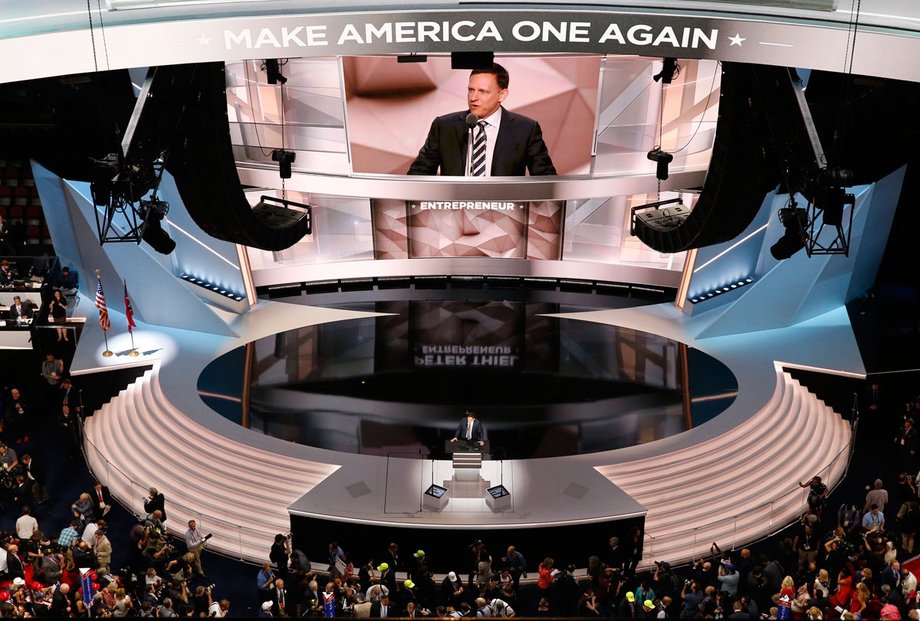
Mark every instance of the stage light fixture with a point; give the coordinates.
(280, 212)
(662, 158)
(211, 287)
(669, 70)
(152, 213)
(706, 295)
(273, 70)
(795, 221)
(284, 159)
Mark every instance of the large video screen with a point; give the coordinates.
(390, 107)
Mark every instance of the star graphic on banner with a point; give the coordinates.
(736, 40)
(204, 41)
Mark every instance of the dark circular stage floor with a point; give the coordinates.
(398, 384)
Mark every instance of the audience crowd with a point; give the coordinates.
(837, 562)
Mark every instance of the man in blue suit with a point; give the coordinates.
(513, 142)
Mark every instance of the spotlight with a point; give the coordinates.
(794, 219)
(152, 213)
(284, 159)
(273, 69)
(663, 158)
(669, 69)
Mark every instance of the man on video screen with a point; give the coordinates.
(485, 140)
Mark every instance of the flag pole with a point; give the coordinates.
(129, 315)
(108, 352)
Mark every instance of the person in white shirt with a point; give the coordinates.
(26, 524)
(219, 608)
(877, 496)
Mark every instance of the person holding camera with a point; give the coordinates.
(690, 596)
(194, 543)
(155, 501)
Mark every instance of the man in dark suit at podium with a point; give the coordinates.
(470, 433)
(503, 143)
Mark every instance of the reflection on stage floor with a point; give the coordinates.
(397, 384)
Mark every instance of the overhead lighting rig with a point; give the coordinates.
(824, 225)
(278, 212)
(660, 219)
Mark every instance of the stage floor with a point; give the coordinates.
(398, 382)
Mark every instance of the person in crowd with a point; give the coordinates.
(52, 369)
(194, 544)
(279, 598)
(68, 282)
(906, 441)
(20, 310)
(874, 520)
(878, 495)
(265, 580)
(280, 553)
(7, 275)
(517, 565)
(155, 501)
(82, 508)
(817, 495)
(57, 310)
(102, 549)
(19, 417)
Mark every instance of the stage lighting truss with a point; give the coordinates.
(830, 221)
(119, 193)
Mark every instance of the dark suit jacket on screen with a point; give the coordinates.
(518, 148)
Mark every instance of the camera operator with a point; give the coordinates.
(691, 596)
(157, 552)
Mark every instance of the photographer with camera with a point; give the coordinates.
(158, 551)
(690, 596)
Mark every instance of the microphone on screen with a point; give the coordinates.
(471, 120)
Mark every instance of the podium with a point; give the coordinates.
(467, 459)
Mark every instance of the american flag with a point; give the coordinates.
(100, 304)
(129, 311)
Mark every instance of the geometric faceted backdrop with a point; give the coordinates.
(402, 230)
